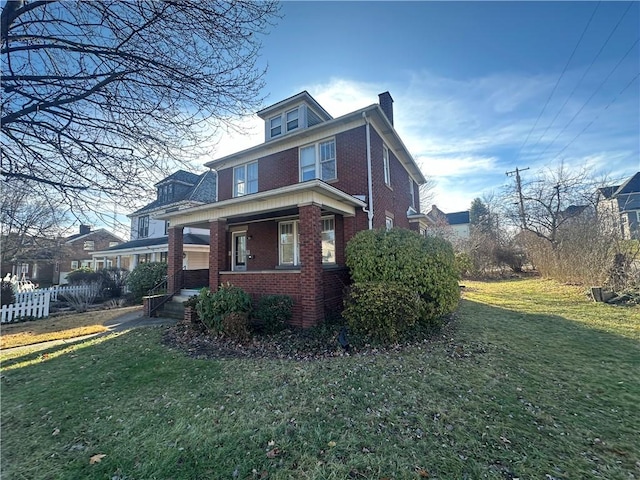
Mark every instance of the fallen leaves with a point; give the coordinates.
(96, 458)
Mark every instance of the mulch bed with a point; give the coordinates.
(301, 345)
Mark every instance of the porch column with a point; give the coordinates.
(174, 258)
(217, 251)
(312, 296)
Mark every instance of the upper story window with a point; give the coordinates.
(113, 244)
(165, 192)
(284, 123)
(143, 226)
(292, 120)
(385, 161)
(318, 161)
(275, 125)
(245, 179)
(89, 245)
(412, 193)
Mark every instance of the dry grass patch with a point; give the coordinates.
(58, 328)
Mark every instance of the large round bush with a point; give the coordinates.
(426, 265)
(144, 277)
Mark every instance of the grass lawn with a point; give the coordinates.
(532, 381)
(58, 328)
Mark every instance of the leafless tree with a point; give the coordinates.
(427, 193)
(103, 98)
(29, 228)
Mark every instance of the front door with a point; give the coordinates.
(239, 253)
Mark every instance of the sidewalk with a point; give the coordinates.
(119, 324)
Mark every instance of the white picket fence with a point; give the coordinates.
(55, 291)
(36, 302)
(37, 306)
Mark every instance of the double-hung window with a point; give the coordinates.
(143, 226)
(328, 240)
(245, 179)
(289, 243)
(292, 120)
(318, 161)
(412, 192)
(385, 161)
(275, 125)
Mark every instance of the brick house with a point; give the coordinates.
(149, 235)
(78, 250)
(286, 208)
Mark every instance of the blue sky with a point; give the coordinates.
(479, 88)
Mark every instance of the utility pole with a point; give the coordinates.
(519, 188)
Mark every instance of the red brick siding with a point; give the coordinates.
(174, 257)
(75, 249)
(334, 281)
(263, 245)
(270, 283)
(196, 278)
(311, 265)
(218, 258)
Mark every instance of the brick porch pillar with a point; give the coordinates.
(312, 297)
(217, 251)
(174, 258)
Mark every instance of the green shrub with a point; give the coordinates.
(426, 265)
(7, 296)
(144, 277)
(213, 307)
(114, 280)
(83, 275)
(274, 312)
(382, 311)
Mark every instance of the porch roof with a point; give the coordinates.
(270, 201)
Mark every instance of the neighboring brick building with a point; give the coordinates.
(286, 208)
(79, 248)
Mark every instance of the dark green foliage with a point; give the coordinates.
(6, 294)
(83, 275)
(144, 277)
(274, 312)
(382, 311)
(113, 281)
(426, 265)
(213, 307)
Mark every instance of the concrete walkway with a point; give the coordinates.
(122, 323)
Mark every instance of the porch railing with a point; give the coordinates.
(160, 294)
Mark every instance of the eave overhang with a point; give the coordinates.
(314, 192)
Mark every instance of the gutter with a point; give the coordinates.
(369, 210)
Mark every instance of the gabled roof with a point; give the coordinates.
(607, 192)
(203, 190)
(78, 236)
(630, 186)
(458, 218)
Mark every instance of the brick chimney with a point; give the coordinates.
(84, 229)
(386, 103)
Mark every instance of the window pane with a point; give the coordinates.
(385, 160)
(286, 243)
(328, 160)
(292, 119)
(308, 163)
(328, 241)
(276, 126)
(328, 170)
(252, 178)
(239, 181)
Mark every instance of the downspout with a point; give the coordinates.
(369, 209)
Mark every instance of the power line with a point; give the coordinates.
(592, 95)
(597, 116)
(559, 79)
(584, 74)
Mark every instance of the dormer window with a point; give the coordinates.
(165, 192)
(292, 120)
(276, 126)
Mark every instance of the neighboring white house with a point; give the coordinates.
(453, 226)
(149, 236)
(619, 207)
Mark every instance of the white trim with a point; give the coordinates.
(385, 165)
(296, 243)
(317, 160)
(234, 266)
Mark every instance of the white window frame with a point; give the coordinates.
(143, 226)
(296, 243)
(296, 119)
(89, 245)
(328, 258)
(74, 264)
(273, 127)
(385, 165)
(318, 162)
(388, 222)
(246, 182)
(412, 192)
(234, 266)
(113, 244)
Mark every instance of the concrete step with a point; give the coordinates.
(172, 310)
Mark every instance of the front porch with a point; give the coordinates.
(286, 242)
